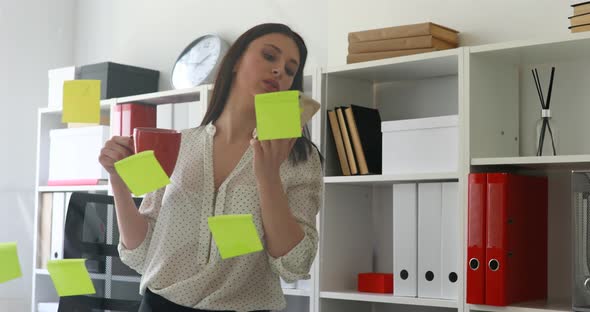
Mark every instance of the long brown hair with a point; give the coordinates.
(223, 82)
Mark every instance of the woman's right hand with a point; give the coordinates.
(115, 149)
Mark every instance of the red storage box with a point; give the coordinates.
(375, 282)
(127, 117)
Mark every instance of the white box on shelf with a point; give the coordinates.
(47, 307)
(286, 285)
(305, 284)
(56, 82)
(423, 145)
(73, 155)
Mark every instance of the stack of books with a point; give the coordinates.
(357, 136)
(389, 42)
(580, 21)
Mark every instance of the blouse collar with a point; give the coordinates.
(211, 129)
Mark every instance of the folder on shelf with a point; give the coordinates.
(44, 230)
(347, 143)
(58, 215)
(364, 126)
(126, 117)
(335, 127)
(405, 240)
(476, 238)
(429, 240)
(450, 237)
(516, 249)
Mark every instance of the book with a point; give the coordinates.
(365, 131)
(395, 44)
(579, 28)
(371, 56)
(347, 143)
(44, 231)
(581, 19)
(581, 8)
(413, 30)
(338, 142)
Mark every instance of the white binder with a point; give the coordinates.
(405, 240)
(429, 240)
(451, 271)
(57, 225)
(164, 116)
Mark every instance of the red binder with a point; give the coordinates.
(516, 249)
(476, 238)
(130, 116)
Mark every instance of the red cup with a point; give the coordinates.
(164, 142)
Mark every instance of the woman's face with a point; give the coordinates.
(269, 64)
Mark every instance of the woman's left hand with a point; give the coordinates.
(268, 157)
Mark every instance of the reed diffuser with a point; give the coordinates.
(545, 124)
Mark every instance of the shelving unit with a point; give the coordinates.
(357, 217)
(490, 88)
(177, 109)
(503, 107)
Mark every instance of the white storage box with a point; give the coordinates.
(47, 306)
(56, 84)
(423, 145)
(286, 285)
(73, 155)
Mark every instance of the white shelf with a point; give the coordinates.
(120, 278)
(410, 67)
(73, 188)
(387, 298)
(390, 179)
(531, 306)
(105, 105)
(296, 292)
(41, 272)
(537, 162)
(540, 50)
(164, 97)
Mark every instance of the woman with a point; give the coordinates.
(222, 169)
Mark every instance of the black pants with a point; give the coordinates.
(154, 303)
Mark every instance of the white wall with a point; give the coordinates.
(36, 35)
(150, 33)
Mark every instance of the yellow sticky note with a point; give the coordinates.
(142, 173)
(70, 277)
(278, 115)
(9, 264)
(235, 235)
(81, 101)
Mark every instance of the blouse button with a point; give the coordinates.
(210, 128)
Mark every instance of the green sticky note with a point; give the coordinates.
(234, 235)
(70, 277)
(142, 173)
(9, 265)
(81, 101)
(278, 115)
